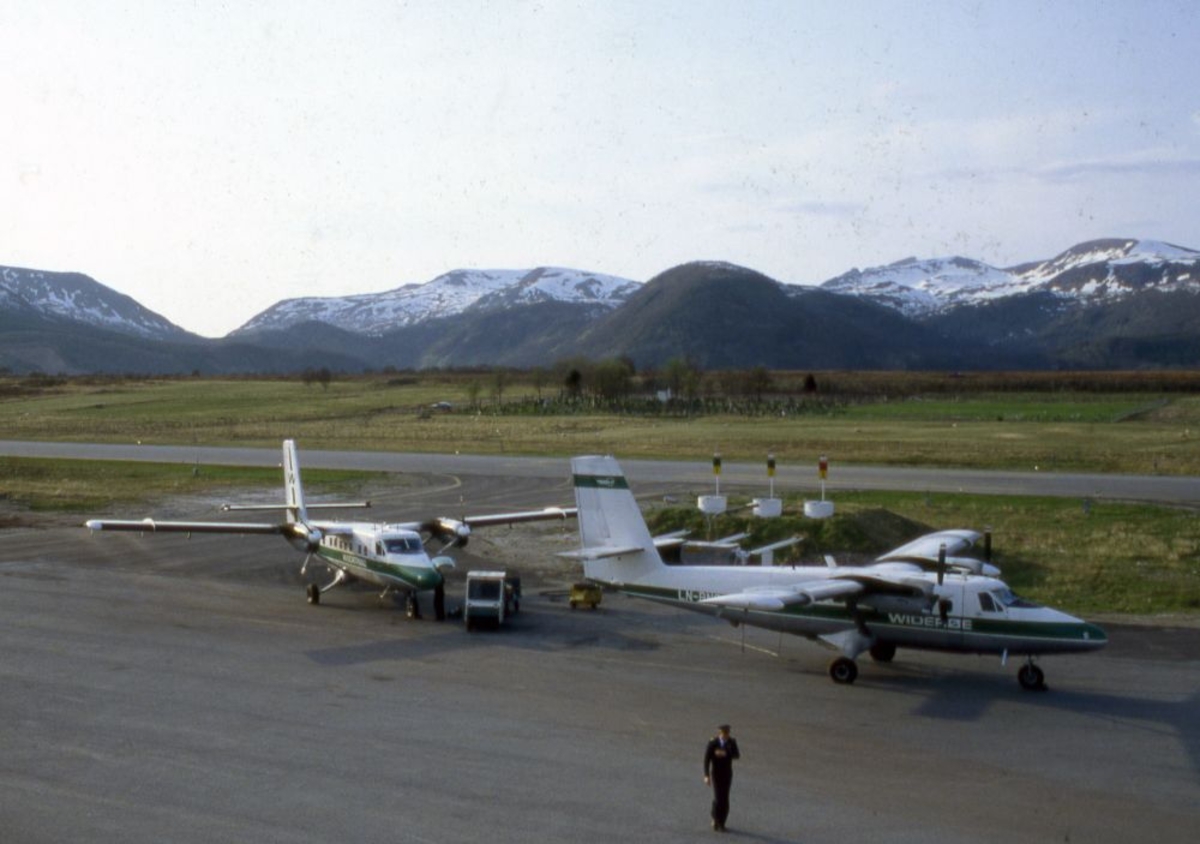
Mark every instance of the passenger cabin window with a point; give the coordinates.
(986, 603)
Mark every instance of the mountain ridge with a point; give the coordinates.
(1106, 303)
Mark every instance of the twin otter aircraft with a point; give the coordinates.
(390, 556)
(918, 596)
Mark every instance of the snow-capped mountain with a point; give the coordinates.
(1107, 270)
(920, 287)
(1115, 268)
(1105, 304)
(450, 294)
(73, 296)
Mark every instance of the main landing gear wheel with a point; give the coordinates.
(1031, 678)
(412, 608)
(314, 594)
(843, 670)
(883, 651)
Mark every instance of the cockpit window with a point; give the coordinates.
(1008, 599)
(403, 545)
(986, 603)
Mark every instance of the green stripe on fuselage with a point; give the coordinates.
(601, 482)
(903, 627)
(417, 577)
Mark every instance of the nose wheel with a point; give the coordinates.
(843, 670)
(1031, 678)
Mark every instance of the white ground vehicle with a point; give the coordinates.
(491, 596)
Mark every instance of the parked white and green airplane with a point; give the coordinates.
(393, 556)
(923, 595)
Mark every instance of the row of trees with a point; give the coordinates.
(681, 383)
(615, 383)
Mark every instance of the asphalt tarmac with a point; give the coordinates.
(156, 688)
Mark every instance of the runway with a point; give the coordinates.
(1174, 489)
(159, 688)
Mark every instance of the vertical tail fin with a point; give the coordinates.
(293, 492)
(616, 543)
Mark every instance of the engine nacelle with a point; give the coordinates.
(304, 538)
(450, 531)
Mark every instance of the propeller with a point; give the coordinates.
(452, 532)
(305, 538)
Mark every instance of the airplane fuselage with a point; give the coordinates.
(895, 601)
(958, 619)
(387, 556)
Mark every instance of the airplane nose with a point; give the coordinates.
(428, 579)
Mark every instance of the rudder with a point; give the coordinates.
(616, 543)
(293, 491)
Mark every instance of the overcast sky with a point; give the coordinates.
(211, 158)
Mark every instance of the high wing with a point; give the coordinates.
(927, 547)
(926, 551)
(775, 599)
(157, 526)
(861, 585)
(440, 526)
(544, 514)
(456, 531)
(297, 527)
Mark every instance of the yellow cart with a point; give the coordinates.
(585, 594)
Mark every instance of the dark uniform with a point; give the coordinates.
(718, 770)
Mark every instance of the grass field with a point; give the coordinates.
(86, 486)
(1076, 431)
(1087, 557)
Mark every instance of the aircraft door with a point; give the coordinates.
(986, 608)
(949, 611)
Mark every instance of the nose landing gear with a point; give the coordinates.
(1031, 678)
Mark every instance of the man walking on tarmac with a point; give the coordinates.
(718, 772)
